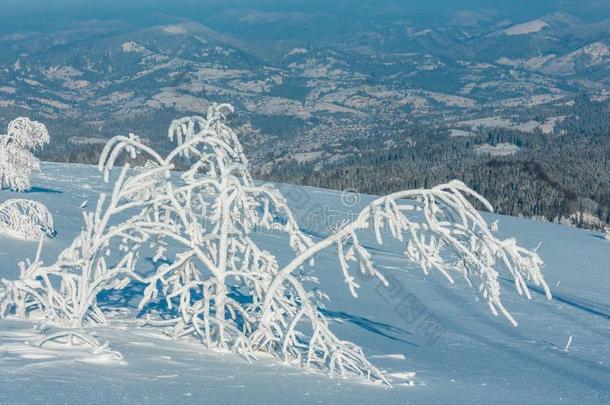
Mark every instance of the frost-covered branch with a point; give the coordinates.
(442, 231)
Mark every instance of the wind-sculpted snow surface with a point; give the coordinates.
(16, 160)
(211, 281)
(25, 219)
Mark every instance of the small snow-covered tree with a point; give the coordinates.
(215, 208)
(66, 291)
(17, 162)
(607, 234)
(218, 284)
(25, 219)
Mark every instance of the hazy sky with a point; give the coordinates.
(117, 7)
(29, 13)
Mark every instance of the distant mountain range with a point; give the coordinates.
(301, 84)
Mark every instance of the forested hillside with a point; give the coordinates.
(561, 177)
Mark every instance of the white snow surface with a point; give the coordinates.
(477, 359)
(529, 27)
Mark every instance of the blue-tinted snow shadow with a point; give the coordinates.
(379, 328)
(131, 295)
(589, 306)
(547, 357)
(42, 190)
(597, 236)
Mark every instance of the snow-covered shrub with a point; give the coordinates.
(25, 219)
(17, 162)
(607, 234)
(218, 285)
(214, 207)
(66, 291)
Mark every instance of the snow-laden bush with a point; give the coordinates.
(607, 234)
(25, 219)
(66, 291)
(218, 285)
(17, 162)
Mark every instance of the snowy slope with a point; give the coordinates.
(461, 353)
(589, 56)
(526, 28)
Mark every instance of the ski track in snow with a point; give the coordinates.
(478, 358)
